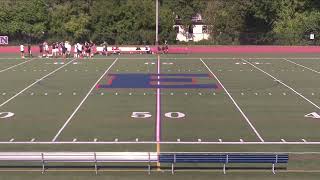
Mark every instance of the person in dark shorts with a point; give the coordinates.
(29, 51)
(87, 49)
(41, 50)
(64, 50)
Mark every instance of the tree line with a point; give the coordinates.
(133, 21)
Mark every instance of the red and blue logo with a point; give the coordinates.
(162, 81)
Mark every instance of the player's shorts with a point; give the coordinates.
(22, 51)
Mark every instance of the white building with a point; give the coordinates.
(197, 32)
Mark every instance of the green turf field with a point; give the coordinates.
(260, 106)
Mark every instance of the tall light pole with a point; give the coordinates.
(157, 22)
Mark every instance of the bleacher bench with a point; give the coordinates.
(177, 158)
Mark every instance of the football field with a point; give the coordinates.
(165, 103)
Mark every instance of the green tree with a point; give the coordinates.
(226, 19)
(24, 20)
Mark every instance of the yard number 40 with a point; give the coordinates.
(172, 115)
(4, 115)
(313, 115)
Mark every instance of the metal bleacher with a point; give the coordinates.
(46, 158)
(223, 158)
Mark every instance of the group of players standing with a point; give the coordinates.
(61, 49)
(64, 49)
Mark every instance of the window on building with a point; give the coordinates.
(204, 29)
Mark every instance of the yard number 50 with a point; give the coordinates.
(172, 115)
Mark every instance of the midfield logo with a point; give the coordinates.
(163, 81)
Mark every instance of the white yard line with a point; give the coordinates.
(279, 81)
(15, 66)
(168, 142)
(235, 103)
(4, 103)
(302, 66)
(83, 100)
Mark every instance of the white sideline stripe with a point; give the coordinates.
(299, 94)
(15, 66)
(235, 103)
(302, 66)
(158, 120)
(83, 100)
(35, 83)
(169, 142)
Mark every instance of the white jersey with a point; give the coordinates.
(68, 47)
(46, 47)
(80, 47)
(75, 48)
(21, 47)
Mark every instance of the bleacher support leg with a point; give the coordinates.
(149, 165)
(43, 168)
(172, 169)
(95, 164)
(273, 169)
(149, 169)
